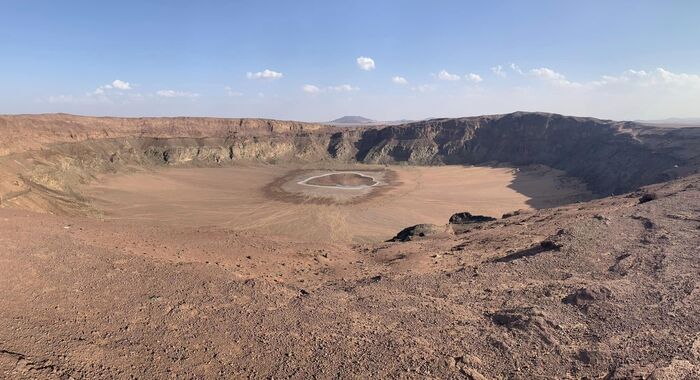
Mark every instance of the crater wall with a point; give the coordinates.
(44, 157)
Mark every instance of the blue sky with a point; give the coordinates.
(610, 59)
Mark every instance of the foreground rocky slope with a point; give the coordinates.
(614, 294)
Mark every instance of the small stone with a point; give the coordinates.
(647, 197)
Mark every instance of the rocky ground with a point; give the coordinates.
(605, 289)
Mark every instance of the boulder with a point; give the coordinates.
(585, 296)
(647, 197)
(418, 231)
(514, 213)
(468, 218)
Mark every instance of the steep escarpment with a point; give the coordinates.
(29, 132)
(610, 157)
(43, 157)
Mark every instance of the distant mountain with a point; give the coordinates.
(360, 120)
(353, 120)
(673, 121)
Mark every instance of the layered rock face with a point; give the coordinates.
(28, 132)
(610, 157)
(52, 153)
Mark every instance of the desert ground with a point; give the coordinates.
(252, 198)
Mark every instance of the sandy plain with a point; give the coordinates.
(273, 200)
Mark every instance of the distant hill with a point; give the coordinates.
(673, 122)
(360, 120)
(353, 120)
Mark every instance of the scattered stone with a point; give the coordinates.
(469, 360)
(468, 218)
(677, 369)
(695, 350)
(593, 357)
(647, 197)
(418, 231)
(586, 296)
(549, 245)
(512, 214)
(544, 246)
(511, 319)
(473, 374)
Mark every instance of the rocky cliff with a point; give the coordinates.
(28, 132)
(611, 157)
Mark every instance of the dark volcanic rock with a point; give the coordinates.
(587, 296)
(510, 214)
(467, 218)
(647, 197)
(419, 230)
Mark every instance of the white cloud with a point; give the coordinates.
(121, 85)
(175, 94)
(311, 89)
(265, 74)
(365, 63)
(423, 88)
(399, 80)
(657, 77)
(547, 73)
(116, 84)
(553, 77)
(444, 75)
(516, 68)
(231, 92)
(668, 77)
(58, 99)
(631, 77)
(343, 88)
(498, 71)
(473, 78)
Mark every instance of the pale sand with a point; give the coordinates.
(349, 180)
(234, 198)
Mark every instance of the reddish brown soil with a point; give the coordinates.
(615, 294)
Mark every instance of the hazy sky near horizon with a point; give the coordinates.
(318, 60)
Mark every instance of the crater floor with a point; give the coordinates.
(277, 201)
